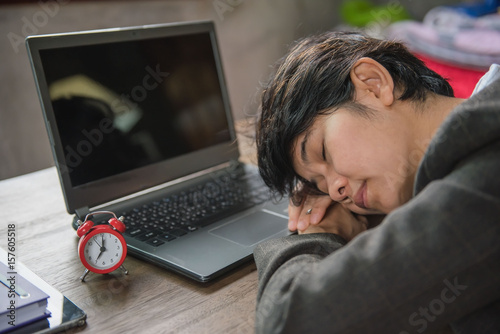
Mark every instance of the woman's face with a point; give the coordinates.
(365, 163)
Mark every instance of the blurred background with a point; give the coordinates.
(252, 35)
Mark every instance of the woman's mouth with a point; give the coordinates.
(360, 197)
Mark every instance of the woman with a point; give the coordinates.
(354, 128)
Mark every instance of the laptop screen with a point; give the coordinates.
(128, 109)
(124, 105)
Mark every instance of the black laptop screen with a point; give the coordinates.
(121, 106)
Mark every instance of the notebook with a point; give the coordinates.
(61, 314)
(140, 117)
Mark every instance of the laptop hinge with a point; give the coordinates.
(82, 212)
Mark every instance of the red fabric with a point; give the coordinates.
(463, 80)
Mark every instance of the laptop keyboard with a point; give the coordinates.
(177, 215)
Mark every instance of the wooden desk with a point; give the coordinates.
(147, 300)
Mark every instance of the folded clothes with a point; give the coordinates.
(452, 36)
(472, 49)
(444, 18)
(478, 8)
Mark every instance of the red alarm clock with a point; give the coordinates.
(102, 248)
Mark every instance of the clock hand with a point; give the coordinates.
(102, 249)
(95, 239)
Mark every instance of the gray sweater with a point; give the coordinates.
(432, 263)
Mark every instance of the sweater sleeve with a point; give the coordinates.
(430, 263)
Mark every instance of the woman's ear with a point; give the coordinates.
(370, 77)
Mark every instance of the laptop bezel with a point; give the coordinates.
(112, 188)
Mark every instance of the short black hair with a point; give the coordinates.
(314, 79)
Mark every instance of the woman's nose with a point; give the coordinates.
(337, 187)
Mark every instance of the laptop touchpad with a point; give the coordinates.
(251, 229)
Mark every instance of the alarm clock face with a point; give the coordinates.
(103, 252)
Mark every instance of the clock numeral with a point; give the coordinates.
(103, 263)
(117, 255)
(116, 241)
(90, 243)
(90, 258)
(111, 260)
(118, 247)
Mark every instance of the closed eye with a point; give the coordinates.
(323, 153)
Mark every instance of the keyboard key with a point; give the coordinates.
(177, 232)
(145, 236)
(134, 232)
(155, 242)
(167, 237)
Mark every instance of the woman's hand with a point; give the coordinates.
(299, 218)
(340, 221)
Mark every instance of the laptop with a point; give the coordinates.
(140, 124)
